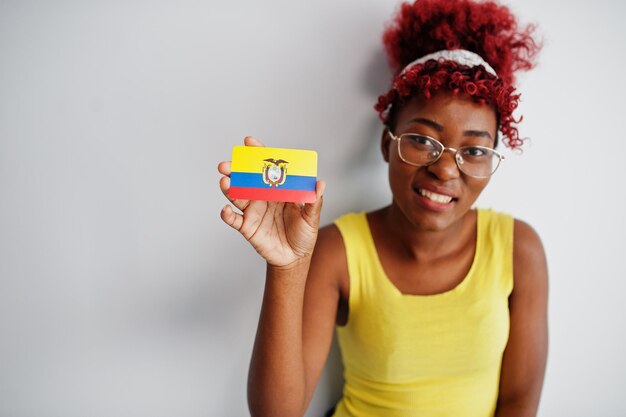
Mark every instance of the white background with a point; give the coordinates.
(123, 294)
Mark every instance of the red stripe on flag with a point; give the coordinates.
(272, 194)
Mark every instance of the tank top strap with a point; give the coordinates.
(361, 255)
(496, 247)
(492, 265)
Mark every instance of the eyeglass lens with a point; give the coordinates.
(476, 161)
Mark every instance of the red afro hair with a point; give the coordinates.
(486, 28)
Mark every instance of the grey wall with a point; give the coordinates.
(123, 294)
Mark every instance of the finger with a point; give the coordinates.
(224, 168)
(231, 218)
(252, 141)
(320, 186)
(225, 187)
(313, 209)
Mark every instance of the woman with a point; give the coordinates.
(440, 308)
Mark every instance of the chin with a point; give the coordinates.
(434, 216)
(429, 220)
(435, 224)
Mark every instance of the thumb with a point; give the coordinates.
(313, 210)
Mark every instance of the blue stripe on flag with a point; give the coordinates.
(293, 182)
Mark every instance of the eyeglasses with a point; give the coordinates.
(421, 150)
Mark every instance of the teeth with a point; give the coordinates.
(438, 198)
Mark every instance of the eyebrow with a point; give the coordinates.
(480, 133)
(428, 122)
(440, 128)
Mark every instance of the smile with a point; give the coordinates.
(437, 198)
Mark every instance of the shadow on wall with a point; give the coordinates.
(362, 184)
(362, 177)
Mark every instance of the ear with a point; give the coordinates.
(385, 140)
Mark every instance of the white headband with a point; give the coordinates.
(460, 56)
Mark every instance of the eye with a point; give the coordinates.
(475, 152)
(422, 141)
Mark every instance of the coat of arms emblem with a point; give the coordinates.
(274, 171)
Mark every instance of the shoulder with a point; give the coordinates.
(329, 242)
(529, 259)
(526, 242)
(331, 239)
(329, 256)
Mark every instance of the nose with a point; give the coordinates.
(445, 168)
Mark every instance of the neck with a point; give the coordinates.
(423, 243)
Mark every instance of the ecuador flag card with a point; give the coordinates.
(273, 174)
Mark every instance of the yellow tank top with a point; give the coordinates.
(425, 355)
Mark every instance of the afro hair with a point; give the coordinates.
(486, 28)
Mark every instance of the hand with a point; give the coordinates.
(282, 233)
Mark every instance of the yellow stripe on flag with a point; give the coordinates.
(251, 159)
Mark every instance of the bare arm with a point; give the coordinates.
(295, 332)
(276, 380)
(524, 361)
(299, 303)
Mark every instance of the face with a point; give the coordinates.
(437, 196)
